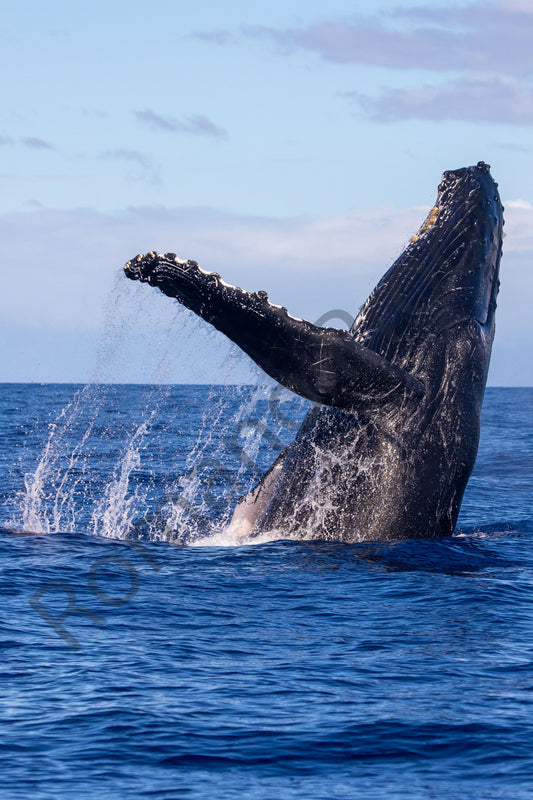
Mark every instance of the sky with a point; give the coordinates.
(292, 146)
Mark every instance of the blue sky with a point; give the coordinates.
(289, 146)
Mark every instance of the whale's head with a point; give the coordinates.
(467, 243)
(439, 298)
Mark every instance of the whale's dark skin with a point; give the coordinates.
(388, 452)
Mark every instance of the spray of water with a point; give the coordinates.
(46, 503)
(114, 514)
(59, 495)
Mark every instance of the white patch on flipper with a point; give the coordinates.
(227, 285)
(250, 507)
(175, 259)
(281, 308)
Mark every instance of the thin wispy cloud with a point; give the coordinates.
(32, 203)
(124, 154)
(197, 124)
(158, 121)
(218, 36)
(94, 113)
(487, 98)
(34, 143)
(146, 169)
(513, 147)
(30, 142)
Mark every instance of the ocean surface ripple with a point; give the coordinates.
(136, 667)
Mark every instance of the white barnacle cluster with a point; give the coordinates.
(226, 285)
(282, 308)
(264, 296)
(221, 282)
(172, 257)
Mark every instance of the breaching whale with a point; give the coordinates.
(388, 449)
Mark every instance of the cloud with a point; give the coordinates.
(56, 252)
(489, 43)
(519, 230)
(123, 154)
(197, 124)
(94, 113)
(33, 143)
(523, 6)
(61, 269)
(491, 98)
(147, 170)
(521, 204)
(218, 36)
(481, 37)
(58, 265)
(367, 42)
(512, 147)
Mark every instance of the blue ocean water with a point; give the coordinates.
(138, 664)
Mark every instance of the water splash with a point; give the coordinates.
(231, 452)
(139, 496)
(114, 514)
(45, 498)
(57, 495)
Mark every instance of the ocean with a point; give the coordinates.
(145, 655)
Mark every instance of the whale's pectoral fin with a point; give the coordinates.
(324, 365)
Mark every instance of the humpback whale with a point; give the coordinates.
(388, 447)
